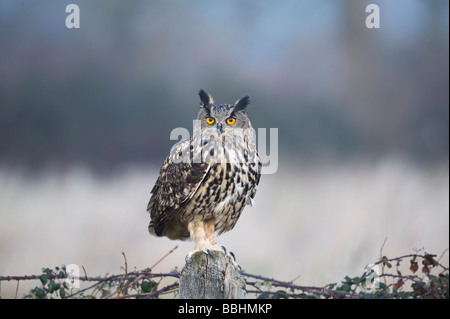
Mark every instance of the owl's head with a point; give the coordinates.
(223, 118)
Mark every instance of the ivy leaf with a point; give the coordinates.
(346, 288)
(426, 270)
(40, 293)
(62, 292)
(414, 266)
(398, 284)
(148, 286)
(54, 286)
(48, 272)
(44, 279)
(429, 260)
(279, 294)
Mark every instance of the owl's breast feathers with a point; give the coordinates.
(211, 185)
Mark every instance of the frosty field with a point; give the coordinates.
(317, 224)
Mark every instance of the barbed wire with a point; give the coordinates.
(382, 279)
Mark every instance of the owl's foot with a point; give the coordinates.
(231, 254)
(207, 249)
(189, 255)
(228, 253)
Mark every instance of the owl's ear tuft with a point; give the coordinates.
(241, 104)
(205, 99)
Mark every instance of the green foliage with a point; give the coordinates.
(51, 284)
(54, 285)
(383, 280)
(426, 279)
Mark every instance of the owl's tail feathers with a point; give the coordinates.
(151, 229)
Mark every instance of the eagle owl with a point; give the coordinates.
(208, 179)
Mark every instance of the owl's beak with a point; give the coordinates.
(219, 127)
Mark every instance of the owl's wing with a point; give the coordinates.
(177, 182)
(254, 175)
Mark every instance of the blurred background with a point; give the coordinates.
(362, 117)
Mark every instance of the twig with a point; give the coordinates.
(17, 289)
(163, 257)
(383, 260)
(442, 255)
(435, 287)
(309, 289)
(382, 246)
(84, 270)
(165, 289)
(122, 284)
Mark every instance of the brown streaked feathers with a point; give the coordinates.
(196, 198)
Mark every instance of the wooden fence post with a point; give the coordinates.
(206, 277)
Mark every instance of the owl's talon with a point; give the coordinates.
(208, 251)
(224, 249)
(232, 255)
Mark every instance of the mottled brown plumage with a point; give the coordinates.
(207, 180)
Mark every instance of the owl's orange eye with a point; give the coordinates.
(210, 120)
(231, 120)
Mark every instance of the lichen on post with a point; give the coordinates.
(216, 277)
